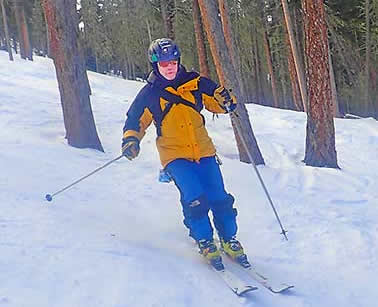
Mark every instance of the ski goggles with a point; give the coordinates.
(165, 64)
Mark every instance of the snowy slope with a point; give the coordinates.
(116, 239)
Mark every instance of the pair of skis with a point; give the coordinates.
(239, 287)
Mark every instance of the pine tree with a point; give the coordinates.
(69, 63)
(230, 77)
(6, 30)
(320, 137)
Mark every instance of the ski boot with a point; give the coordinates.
(209, 250)
(235, 251)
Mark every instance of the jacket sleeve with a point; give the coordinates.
(207, 88)
(138, 116)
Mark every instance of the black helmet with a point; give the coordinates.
(163, 49)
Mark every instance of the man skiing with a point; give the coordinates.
(173, 99)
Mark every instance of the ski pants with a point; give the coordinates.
(201, 189)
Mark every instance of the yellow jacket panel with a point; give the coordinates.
(174, 107)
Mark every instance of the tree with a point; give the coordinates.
(117, 33)
(201, 48)
(268, 56)
(23, 30)
(6, 31)
(168, 11)
(320, 137)
(95, 34)
(367, 55)
(294, 50)
(335, 104)
(260, 95)
(230, 78)
(296, 93)
(72, 78)
(349, 43)
(39, 35)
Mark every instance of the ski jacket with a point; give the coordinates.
(174, 107)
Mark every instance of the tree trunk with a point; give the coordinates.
(335, 104)
(148, 30)
(296, 92)
(6, 31)
(226, 27)
(200, 40)
(23, 31)
(294, 50)
(14, 39)
(17, 15)
(260, 96)
(254, 90)
(62, 23)
(320, 138)
(83, 61)
(270, 67)
(96, 61)
(47, 37)
(124, 67)
(168, 12)
(286, 101)
(268, 54)
(367, 56)
(230, 43)
(229, 77)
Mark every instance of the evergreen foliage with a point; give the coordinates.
(116, 35)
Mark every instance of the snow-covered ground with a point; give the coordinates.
(116, 239)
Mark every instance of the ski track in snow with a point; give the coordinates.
(116, 239)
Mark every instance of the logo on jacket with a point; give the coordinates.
(194, 203)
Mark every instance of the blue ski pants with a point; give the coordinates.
(202, 189)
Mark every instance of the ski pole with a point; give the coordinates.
(49, 197)
(283, 232)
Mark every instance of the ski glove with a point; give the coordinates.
(130, 147)
(226, 100)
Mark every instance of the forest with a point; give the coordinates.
(319, 57)
(115, 35)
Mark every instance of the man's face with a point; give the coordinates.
(168, 69)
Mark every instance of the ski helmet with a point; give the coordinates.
(163, 49)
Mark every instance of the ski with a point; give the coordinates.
(233, 282)
(272, 286)
(267, 282)
(238, 286)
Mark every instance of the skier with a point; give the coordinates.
(173, 99)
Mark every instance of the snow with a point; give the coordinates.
(117, 239)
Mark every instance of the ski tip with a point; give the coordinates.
(241, 292)
(283, 289)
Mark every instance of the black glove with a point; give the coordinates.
(130, 147)
(226, 100)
